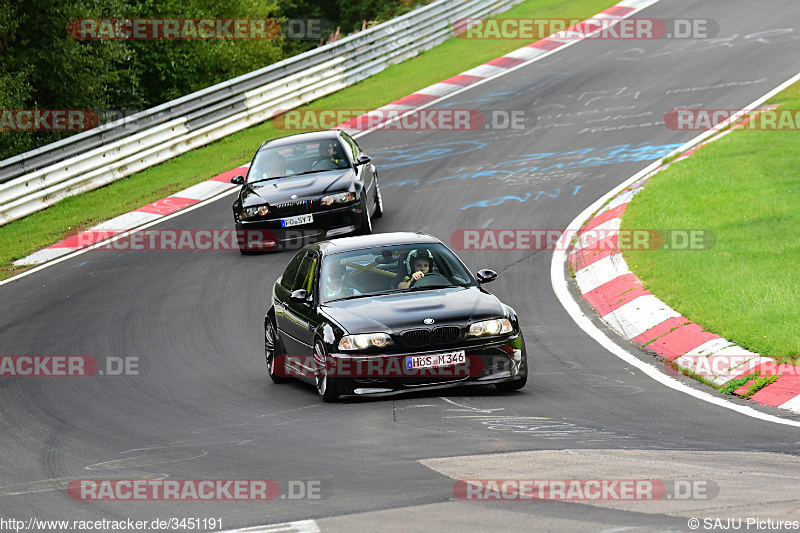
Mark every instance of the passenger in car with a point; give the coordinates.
(274, 167)
(335, 286)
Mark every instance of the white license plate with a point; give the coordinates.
(437, 360)
(296, 221)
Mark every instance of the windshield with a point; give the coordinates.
(389, 269)
(299, 158)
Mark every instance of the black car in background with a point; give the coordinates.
(348, 316)
(310, 185)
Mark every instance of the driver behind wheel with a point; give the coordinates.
(421, 263)
(329, 158)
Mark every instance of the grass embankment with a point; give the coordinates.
(745, 188)
(20, 238)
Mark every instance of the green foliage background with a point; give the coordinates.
(44, 68)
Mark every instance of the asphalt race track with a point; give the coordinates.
(202, 406)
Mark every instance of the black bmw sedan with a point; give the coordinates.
(306, 186)
(380, 314)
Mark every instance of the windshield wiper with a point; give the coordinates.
(422, 288)
(353, 297)
(264, 179)
(310, 172)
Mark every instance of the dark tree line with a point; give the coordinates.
(43, 67)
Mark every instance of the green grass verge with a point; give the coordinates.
(756, 380)
(22, 237)
(692, 374)
(735, 383)
(745, 188)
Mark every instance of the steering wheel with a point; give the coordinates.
(324, 164)
(431, 278)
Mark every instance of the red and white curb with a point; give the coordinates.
(138, 217)
(618, 296)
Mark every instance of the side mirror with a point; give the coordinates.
(485, 275)
(363, 160)
(237, 180)
(300, 296)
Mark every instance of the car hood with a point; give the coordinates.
(308, 186)
(398, 312)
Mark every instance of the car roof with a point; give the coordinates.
(375, 240)
(311, 136)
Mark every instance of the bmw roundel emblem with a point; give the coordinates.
(293, 197)
(428, 321)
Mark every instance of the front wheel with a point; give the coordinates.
(378, 201)
(326, 385)
(366, 220)
(271, 351)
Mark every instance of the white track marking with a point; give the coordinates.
(561, 288)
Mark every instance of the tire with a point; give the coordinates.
(326, 385)
(378, 201)
(366, 221)
(271, 349)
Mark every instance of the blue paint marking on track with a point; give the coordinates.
(623, 153)
(421, 154)
(501, 199)
(617, 154)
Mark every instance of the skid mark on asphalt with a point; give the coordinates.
(61, 483)
(128, 467)
(471, 409)
(543, 427)
(540, 426)
(148, 460)
(596, 380)
(697, 46)
(231, 434)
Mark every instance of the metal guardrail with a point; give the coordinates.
(38, 179)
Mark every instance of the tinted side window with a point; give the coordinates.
(351, 146)
(305, 274)
(287, 281)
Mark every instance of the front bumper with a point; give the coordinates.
(378, 374)
(265, 234)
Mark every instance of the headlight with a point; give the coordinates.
(252, 212)
(364, 341)
(498, 326)
(339, 198)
